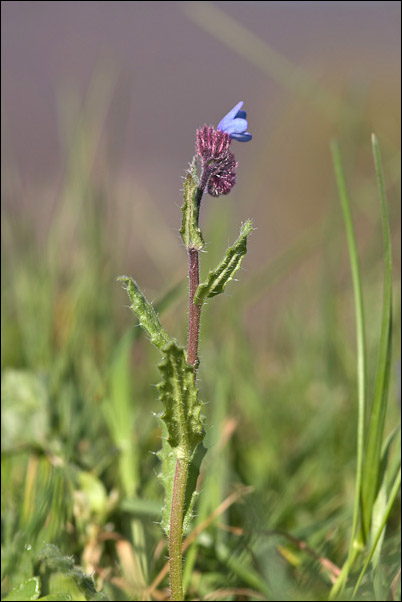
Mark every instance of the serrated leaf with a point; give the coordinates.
(190, 232)
(168, 459)
(179, 397)
(191, 488)
(145, 313)
(63, 575)
(51, 556)
(224, 272)
(28, 590)
(182, 430)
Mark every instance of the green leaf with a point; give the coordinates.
(179, 397)
(379, 508)
(145, 313)
(63, 576)
(243, 568)
(120, 414)
(28, 590)
(385, 516)
(191, 487)
(141, 507)
(92, 495)
(224, 272)
(168, 459)
(182, 425)
(182, 430)
(190, 232)
(24, 410)
(54, 560)
(371, 475)
(355, 541)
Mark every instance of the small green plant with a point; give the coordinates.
(59, 576)
(212, 170)
(378, 480)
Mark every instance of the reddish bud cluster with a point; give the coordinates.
(218, 162)
(212, 143)
(224, 178)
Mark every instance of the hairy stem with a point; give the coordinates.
(180, 481)
(176, 530)
(194, 311)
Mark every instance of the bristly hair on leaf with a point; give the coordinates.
(145, 313)
(224, 272)
(190, 231)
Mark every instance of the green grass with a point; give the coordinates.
(302, 473)
(373, 496)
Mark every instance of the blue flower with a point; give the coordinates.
(235, 124)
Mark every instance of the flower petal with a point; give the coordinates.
(229, 116)
(235, 124)
(245, 137)
(241, 114)
(233, 112)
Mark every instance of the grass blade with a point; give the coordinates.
(355, 542)
(392, 497)
(371, 474)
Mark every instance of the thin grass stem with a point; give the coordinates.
(355, 540)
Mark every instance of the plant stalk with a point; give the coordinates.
(176, 530)
(194, 311)
(180, 480)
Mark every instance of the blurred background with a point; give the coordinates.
(100, 104)
(119, 88)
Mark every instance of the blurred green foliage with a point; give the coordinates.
(281, 413)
